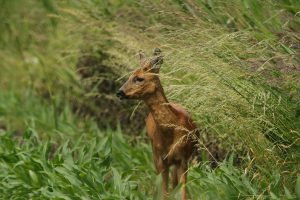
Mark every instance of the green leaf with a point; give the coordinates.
(34, 177)
(297, 187)
(287, 49)
(70, 176)
(273, 196)
(117, 179)
(287, 193)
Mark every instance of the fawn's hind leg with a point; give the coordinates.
(175, 176)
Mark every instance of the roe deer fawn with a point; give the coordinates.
(170, 128)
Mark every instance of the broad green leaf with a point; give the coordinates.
(297, 187)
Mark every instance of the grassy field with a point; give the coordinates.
(234, 65)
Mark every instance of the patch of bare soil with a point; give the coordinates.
(211, 150)
(2, 126)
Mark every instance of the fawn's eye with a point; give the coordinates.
(138, 79)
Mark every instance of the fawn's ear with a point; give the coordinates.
(152, 64)
(156, 61)
(142, 57)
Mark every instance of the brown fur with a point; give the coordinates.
(170, 128)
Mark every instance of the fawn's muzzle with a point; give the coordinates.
(121, 95)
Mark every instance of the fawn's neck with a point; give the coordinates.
(160, 107)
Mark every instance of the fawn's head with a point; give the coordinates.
(144, 81)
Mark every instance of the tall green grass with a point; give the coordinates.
(233, 65)
(207, 69)
(107, 165)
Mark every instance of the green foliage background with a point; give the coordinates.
(233, 64)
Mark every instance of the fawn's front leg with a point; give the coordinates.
(163, 169)
(182, 175)
(165, 179)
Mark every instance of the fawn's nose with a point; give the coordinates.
(120, 94)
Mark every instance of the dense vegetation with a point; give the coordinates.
(233, 64)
